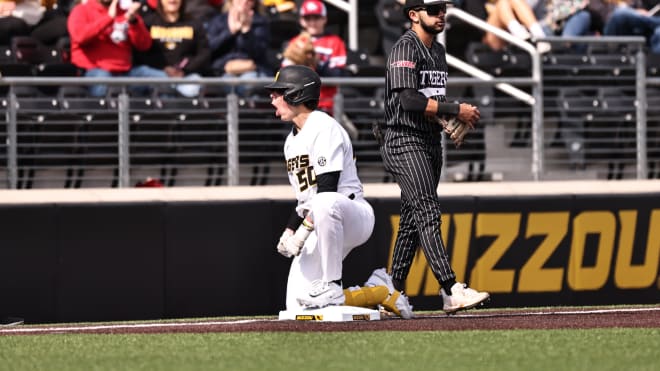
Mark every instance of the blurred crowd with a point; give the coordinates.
(237, 38)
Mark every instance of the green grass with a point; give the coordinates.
(594, 350)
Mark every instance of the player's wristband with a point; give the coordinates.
(445, 108)
(307, 225)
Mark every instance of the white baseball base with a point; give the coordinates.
(333, 313)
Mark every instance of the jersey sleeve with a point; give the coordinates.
(402, 66)
(327, 152)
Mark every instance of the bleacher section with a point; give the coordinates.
(67, 139)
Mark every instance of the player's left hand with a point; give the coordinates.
(455, 128)
(459, 133)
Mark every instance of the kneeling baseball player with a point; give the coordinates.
(331, 217)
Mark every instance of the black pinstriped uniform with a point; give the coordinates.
(412, 153)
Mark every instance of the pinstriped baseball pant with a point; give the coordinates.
(415, 159)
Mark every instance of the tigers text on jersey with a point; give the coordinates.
(322, 146)
(411, 65)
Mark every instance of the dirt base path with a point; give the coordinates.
(648, 317)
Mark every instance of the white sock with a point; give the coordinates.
(536, 30)
(518, 30)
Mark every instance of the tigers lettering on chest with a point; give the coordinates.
(297, 162)
(433, 78)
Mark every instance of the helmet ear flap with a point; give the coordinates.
(293, 96)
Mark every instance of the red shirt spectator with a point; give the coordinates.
(330, 49)
(91, 26)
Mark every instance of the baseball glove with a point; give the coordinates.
(456, 129)
(301, 50)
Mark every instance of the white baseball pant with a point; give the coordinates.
(340, 225)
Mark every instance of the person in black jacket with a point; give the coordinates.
(239, 38)
(180, 46)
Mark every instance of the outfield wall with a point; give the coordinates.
(115, 254)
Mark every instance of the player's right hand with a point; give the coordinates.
(282, 245)
(468, 114)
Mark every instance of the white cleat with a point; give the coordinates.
(323, 294)
(380, 277)
(462, 298)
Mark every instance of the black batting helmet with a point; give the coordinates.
(299, 84)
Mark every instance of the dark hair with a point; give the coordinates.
(311, 104)
(182, 10)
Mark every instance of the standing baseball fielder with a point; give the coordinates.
(331, 217)
(416, 113)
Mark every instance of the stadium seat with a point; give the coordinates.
(505, 62)
(617, 119)
(29, 50)
(577, 107)
(8, 69)
(6, 54)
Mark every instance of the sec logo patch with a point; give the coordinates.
(321, 161)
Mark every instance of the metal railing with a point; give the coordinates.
(226, 139)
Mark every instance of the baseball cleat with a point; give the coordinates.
(462, 298)
(398, 304)
(323, 294)
(380, 277)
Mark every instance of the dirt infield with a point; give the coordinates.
(569, 318)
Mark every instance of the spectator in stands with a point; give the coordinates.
(103, 38)
(18, 17)
(601, 11)
(518, 17)
(636, 18)
(44, 21)
(199, 10)
(179, 47)
(567, 17)
(51, 30)
(317, 49)
(239, 38)
(576, 18)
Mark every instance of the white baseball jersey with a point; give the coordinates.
(322, 146)
(343, 220)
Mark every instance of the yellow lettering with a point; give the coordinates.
(533, 277)
(172, 33)
(627, 275)
(505, 227)
(602, 223)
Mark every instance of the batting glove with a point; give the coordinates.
(282, 244)
(294, 244)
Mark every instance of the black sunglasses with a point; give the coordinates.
(434, 10)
